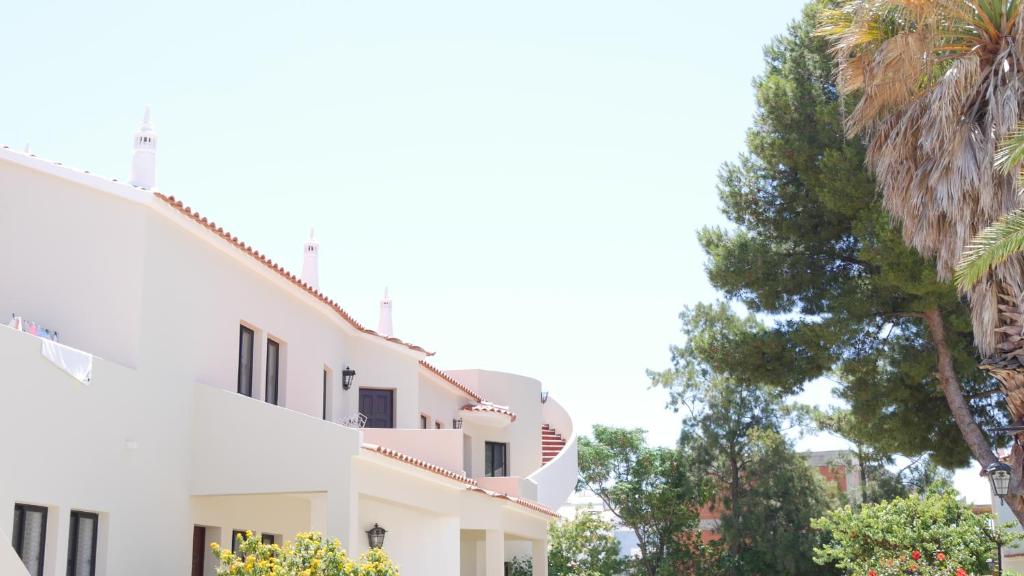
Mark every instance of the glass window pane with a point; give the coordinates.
(30, 536)
(82, 545)
(245, 343)
(273, 361)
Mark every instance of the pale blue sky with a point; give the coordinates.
(526, 177)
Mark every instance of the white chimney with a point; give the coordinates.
(311, 262)
(384, 325)
(144, 155)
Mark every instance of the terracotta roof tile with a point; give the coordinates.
(516, 500)
(403, 457)
(211, 226)
(465, 389)
(469, 482)
(488, 407)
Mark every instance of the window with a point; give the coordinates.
(236, 538)
(438, 425)
(30, 536)
(495, 459)
(424, 422)
(267, 538)
(327, 381)
(246, 337)
(82, 544)
(273, 369)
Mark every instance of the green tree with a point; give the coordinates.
(655, 492)
(812, 252)
(929, 534)
(584, 546)
(767, 493)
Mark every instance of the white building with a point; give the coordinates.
(201, 389)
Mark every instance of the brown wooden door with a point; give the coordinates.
(198, 550)
(378, 406)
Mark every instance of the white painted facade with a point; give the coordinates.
(160, 440)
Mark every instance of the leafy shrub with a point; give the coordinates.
(309, 555)
(928, 535)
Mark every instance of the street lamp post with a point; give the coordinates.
(999, 474)
(999, 546)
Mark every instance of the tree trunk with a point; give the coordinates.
(961, 411)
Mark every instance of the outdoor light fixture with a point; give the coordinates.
(999, 475)
(347, 376)
(376, 536)
(457, 423)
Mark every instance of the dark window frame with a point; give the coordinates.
(267, 538)
(392, 397)
(424, 422)
(234, 539)
(489, 459)
(273, 399)
(242, 332)
(76, 518)
(18, 539)
(327, 381)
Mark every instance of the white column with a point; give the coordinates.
(540, 558)
(494, 553)
(343, 516)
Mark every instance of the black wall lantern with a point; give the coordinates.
(457, 423)
(376, 536)
(999, 475)
(347, 376)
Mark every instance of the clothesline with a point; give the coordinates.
(19, 323)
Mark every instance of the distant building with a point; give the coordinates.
(839, 467)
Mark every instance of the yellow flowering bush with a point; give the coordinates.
(309, 555)
(375, 562)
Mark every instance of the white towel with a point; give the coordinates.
(75, 362)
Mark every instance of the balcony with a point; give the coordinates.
(511, 485)
(441, 447)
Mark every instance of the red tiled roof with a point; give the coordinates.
(262, 258)
(403, 457)
(469, 482)
(488, 407)
(465, 389)
(516, 500)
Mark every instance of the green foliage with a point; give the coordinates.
(309, 555)
(812, 251)
(934, 534)
(584, 546)
(520, 566)
(990, 248)
(655, 492)
(767, 493)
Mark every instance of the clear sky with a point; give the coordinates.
(527, 177)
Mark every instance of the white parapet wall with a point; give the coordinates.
(556, 480)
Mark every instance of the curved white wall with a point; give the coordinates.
(556, 480)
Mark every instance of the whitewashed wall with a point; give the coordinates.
(520, 393)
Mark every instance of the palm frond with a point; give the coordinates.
(990, 248)
(1011, 151)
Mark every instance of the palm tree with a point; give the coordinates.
(939, 84)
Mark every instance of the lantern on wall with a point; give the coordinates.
(999, 475)
(347, 376)
(375, 536)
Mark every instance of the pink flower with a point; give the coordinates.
(941, 556)
(916, 555)
(872, 573)
(961, 572)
